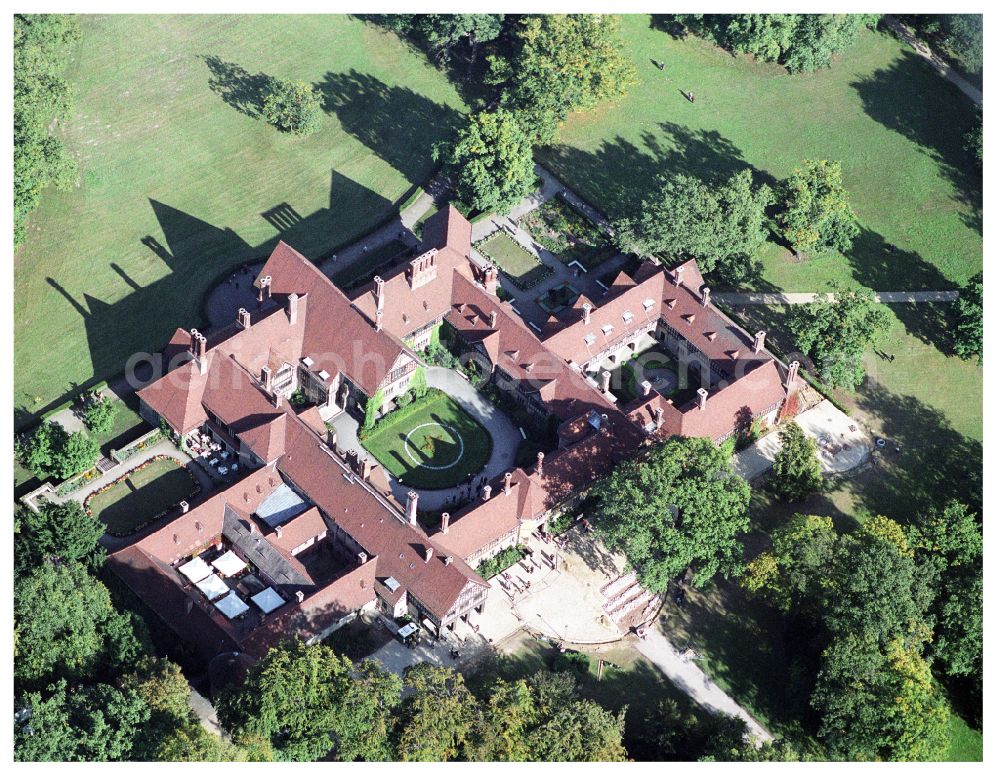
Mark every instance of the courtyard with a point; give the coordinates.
(568, 234)
(523, 268)
(432, 444)
(141, 495)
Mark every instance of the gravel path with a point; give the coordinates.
(937, 62)
(690, 679)
(778, 298)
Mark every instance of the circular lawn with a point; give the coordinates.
(431, 444)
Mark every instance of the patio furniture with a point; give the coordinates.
(223, 470)
(195, 570)
(213, 462)
(224, 454)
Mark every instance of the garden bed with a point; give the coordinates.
(142, 496)
(523, 268)
(568, 234)
(501, 561)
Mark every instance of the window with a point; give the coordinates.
(648, 303)
(627, 317)
(589, 339)
(608, 329)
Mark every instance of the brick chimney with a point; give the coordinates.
(411, 507)
(493, 320)
(243, 318)
(539, 461)
(647, 387)
(506, 483)
(758, 341)
(292, 307)
(586, 313)
(263, 289)
(331, 438)
(379, 293)
(366, 468)
(491, 278)
(265, 378)
(793, 372)
(278, 532)
(487, 492)
(702, 397)
(423, 269)
(678, 275)
(605, 381)
(658, 418)
(705, 296)
(428, 553)
(445, 519)
(199, 345)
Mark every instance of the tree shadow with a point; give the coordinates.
(911, 98)
(935, 462)
(237, 86)
(384, 118)
(879, 265)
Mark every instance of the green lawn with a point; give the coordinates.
(178, 184)
(523, 268)
(431, 445)
(966, 743)
(132, 503)
(894, 123)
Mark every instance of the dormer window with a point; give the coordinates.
(648, 303)
(607, 329)
(627, 317)
(324, 375)
(589, 339)
(307, 361)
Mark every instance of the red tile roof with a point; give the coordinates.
(309, 524)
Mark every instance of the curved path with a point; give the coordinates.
(942, 67)
(505, 435)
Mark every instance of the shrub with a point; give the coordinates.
(293, 107)
(404, 400)
(576, 663)
(99, 414)
(501, 561)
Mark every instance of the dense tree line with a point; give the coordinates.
(41, 99)
(958, 36)
(890, 604)
(800, 42)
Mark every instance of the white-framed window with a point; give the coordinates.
(608, 329)
(589, 339)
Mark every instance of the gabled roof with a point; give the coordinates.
(306, 525)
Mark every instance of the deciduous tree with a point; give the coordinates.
(439, 717)
(815, 214)
(836, 332)
(293, 107)
(491, 164)
(969, 328)
(58, 532)
(681, 505)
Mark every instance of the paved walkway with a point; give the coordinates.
(794, 298)
(506, 437)
(692, 680)
(942, 67)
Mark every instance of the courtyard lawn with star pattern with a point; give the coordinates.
(433, 447)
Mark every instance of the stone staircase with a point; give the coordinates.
(628, 603)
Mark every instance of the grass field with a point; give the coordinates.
(132, 503)
(179, 182)
(894, 123)
(431, 446)
(966, 743)
(523, 268)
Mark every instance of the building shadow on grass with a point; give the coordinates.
(911, 98)
(389, 120)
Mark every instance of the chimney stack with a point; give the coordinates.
(362, 557)
(195, 335)
(539, 462)
(493, 320)
(243, 318)
(491, 278)
(379, 293)
(702, 397)
(331, 439)
(300, 596)
(293, 308)
(265, 378)
(428, 553)
(448, 560)
(647, 387)
(445, 519)
(758, 341)
(277, 532)
(411, 507)
(658, 418)
(378, 321)
(264, 289)
(487, 491)
(185, 507)
(605, 381)
(793, 372)
(506, 483)
(586, 313)
(678, 275)
(200, 353)
(705, 296)
(366, 468)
